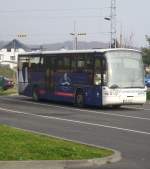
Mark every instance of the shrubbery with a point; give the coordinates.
(148, 95)
(7, 72)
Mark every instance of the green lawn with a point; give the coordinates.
(16, 144)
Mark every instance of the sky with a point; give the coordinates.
(49, 21)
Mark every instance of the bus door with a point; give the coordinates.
(99, 78)
(49, 73)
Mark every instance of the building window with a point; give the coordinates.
(12, 57)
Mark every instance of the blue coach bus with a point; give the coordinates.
(99, 77)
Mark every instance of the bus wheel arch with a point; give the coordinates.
(79, 97)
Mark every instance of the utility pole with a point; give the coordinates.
(14, 46)
(113, 23)
(112, 19)
(76, 34)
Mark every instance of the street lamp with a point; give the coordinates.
(107, 18)
(113, 40)
(110, 43)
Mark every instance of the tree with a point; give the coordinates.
(146, 52)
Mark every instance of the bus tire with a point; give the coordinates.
(79, 99)
(35, 95)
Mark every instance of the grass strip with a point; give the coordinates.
(17, 144)
(8, 92)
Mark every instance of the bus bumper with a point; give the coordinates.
(123, 96)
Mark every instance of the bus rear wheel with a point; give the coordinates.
(79, 99)
(35, 95)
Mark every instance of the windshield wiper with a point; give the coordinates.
(114, 86)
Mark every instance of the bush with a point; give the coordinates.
(148, 95)
(7, 72)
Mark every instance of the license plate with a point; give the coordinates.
(128, 100)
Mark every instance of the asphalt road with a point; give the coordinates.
(126, 129)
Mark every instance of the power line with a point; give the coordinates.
(54, 36)
(50, 10)
(65, 17)
(46, 34)
(79, 16)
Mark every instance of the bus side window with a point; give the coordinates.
(52, 62)
(89, 63)
(41, 64)
(89, 67)
(63, 63)
(59, 64)
(66, 63)
(104, 71)
(80, 63)
(97, 74)
(34, 63)
(73, 63)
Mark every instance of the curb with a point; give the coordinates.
(15, 94)
(61, 164)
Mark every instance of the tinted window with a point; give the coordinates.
(73, 63)
(67, 63)
(97, 74)
(34, 63)
(80, 62)
(41, 64)
(63, 63)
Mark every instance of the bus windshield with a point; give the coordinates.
(125, 69)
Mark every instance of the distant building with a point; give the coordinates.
(9, 53)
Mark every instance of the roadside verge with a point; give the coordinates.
(23, 145)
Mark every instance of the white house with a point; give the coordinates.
(9, 53)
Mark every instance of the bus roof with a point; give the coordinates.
(63, 51)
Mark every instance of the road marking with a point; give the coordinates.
(84, 110)
(136, 108)
(76, 121)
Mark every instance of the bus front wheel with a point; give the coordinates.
(79, 99)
